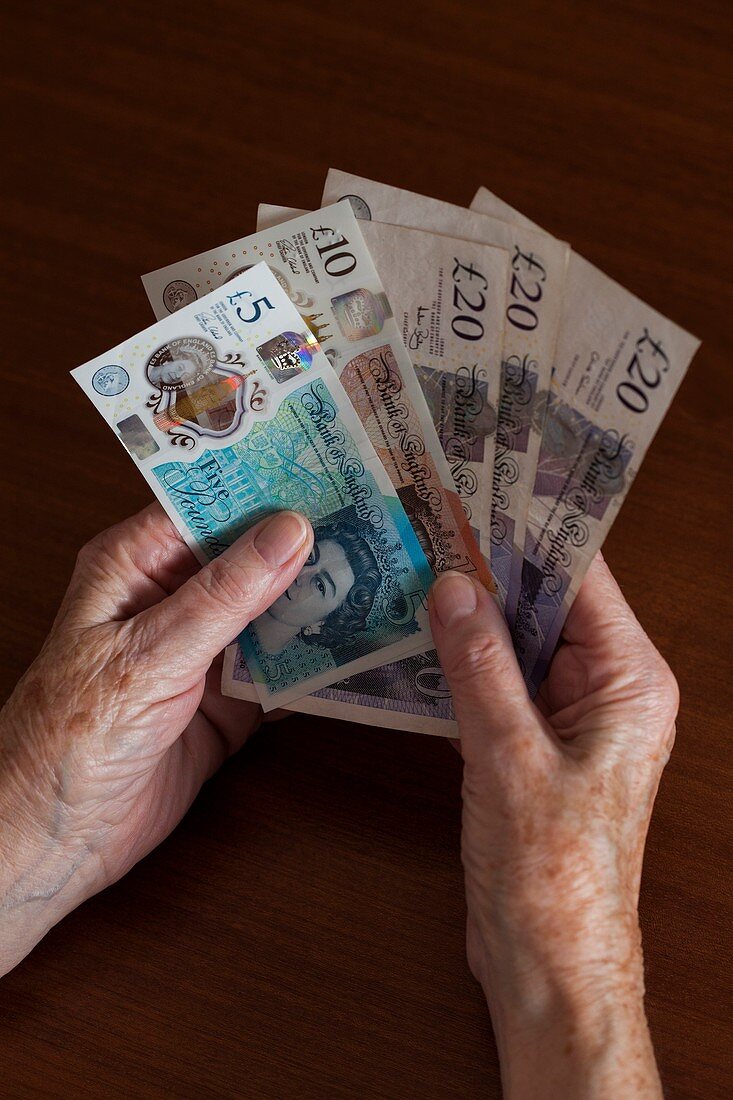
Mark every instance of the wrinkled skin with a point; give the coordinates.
(110, 734)
(557, 799)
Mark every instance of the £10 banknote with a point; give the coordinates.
(455, 348)
(617, 366)
(231, 410)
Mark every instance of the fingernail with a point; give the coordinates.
(280, 538)
(454, 596)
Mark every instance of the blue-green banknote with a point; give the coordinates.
(324, 266)
(231, 410)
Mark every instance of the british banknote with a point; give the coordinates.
(448, 297)
(618, 364)
(323, 265)
(412, 694)
(231, 410)
(531, 319)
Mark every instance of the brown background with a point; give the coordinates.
(301, 934)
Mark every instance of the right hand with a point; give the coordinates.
(557, 799)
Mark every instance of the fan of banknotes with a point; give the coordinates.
(434, 387)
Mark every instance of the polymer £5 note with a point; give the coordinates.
(532, 307)
(323, 265)
(231, 410)
(618, 364)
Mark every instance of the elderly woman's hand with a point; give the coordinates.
(556, 804)
(110, 734)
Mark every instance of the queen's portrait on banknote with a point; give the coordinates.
(179, 366)
(329, 601)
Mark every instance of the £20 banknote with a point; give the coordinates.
(618, 364)
(531, 316)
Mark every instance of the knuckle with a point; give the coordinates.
(476, 657)
(664, 686)
(671, 691)
(139, 636)
(669, 703)
(651, 733)
(670, 736)
(89, 552)
(225, 582)
(100, 546)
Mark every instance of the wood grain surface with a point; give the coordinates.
(301, 933)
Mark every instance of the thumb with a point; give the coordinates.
(185, 632)
(475, 650)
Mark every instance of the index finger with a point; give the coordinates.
(599, 606)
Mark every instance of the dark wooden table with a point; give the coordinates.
(301, 933)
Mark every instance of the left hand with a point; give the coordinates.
(108, 737)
